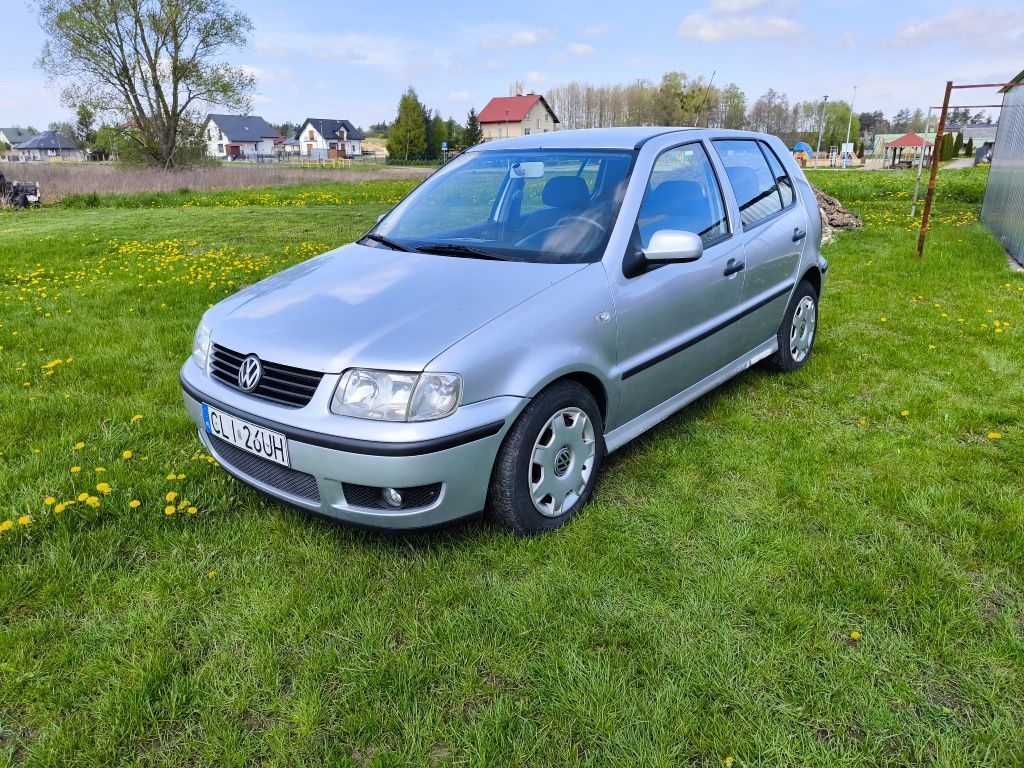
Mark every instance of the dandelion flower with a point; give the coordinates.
(169, 510)
(75, 470)
(103, 487)
(995, 436)
(883, 319)
(172, 476)
(25, 520)
(6, 525)
(93, 502)
(126, 454)
(83, 496)
(59, 508)
(210, 575)
(904, 413)
(855, 635)
(49, 501)
(192, 510)
(100, 469)
(171, 495)
(180, 477)
(79, 446)
(134, 503)
(136, 417)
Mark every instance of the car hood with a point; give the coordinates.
(374, 307)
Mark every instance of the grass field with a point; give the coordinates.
(819, 569)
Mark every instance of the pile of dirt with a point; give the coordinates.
(834, 216)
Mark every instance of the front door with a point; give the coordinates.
(675, 320)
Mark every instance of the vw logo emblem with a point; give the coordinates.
(249, 373)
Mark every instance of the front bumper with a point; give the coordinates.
(457, 452)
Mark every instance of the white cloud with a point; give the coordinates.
(735, 6)
(597, 30)
(365, 50)
(523, 38)
(994, 27)
(277, 76)
(536, 77)
(459, 96)
(710, 29)
(580, 49)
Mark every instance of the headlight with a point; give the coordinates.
(394, 396)
(201, 345)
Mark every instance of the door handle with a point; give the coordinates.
(733, 266)
(798, 234)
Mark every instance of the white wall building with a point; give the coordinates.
(323, 137)
(239, 136)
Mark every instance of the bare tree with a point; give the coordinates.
(152, 66)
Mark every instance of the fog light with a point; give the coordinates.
(392, 497)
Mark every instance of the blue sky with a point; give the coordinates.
(353, 60)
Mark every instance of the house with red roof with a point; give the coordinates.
(507, 116)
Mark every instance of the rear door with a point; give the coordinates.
(673, 318)
(774, 230)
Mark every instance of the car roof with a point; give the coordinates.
(606, 138)
(582, 138)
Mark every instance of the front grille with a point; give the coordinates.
(285, 479)
(372, 498)
(281, 384)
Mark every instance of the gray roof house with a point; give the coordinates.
(235, 136)
(12, 137)
(329, 137)
(49, 144)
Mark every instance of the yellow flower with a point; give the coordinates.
(59, 508)
(192, 510)
(25, 520)
(171, 495)
(92, 501)
(136, 417)
(103, 487)
(100, 469)
(75, 470)
(134, 503)
(6, 525)
(904, 413)
(169, 510)
(79, 446)
(855, 635)
(883, 319)
(995, 436)
(210, 575)
(49, 501)
(83, 496)
(172, 476)
(729, 760)
(181, 477)
(126, 454)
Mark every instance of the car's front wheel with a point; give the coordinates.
(547, 466)
(798, 330)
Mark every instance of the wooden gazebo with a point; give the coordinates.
(906, 141)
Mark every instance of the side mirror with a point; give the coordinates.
(669, 246)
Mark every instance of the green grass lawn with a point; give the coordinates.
(817, 569)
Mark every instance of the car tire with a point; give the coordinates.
(798, 330)
(22, 201)
(548, 464)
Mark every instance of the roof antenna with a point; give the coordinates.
(702, 101)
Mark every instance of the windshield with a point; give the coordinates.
(541, 205)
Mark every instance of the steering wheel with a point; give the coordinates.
(539, 239)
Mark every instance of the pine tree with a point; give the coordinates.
(958, 145)
(407, 137)
(969, 148)
(472, 134)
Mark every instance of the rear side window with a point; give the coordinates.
(756, 187)
(782, 180)
(683, 193)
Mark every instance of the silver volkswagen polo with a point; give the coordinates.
(532, 306)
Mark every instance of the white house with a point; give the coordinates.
(322, 137)
(239, 136)
(49, 145)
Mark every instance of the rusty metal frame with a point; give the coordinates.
(937, 145)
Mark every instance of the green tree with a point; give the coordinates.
(472, 134)
(407, 137)
(454, 131)
(969, 148)
(733, 107)
(85, 131)
(958, 145)
(63, 127)
(154, 65)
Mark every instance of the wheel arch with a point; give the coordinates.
(813, 276)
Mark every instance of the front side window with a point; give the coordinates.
(542, 206)
(683, 194)
(755, 186)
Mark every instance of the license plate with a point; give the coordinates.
(247, 436)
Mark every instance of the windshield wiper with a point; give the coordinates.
(458, 249)
(386, 242)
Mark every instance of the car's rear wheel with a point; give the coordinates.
(798, 330)
(547, 466)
